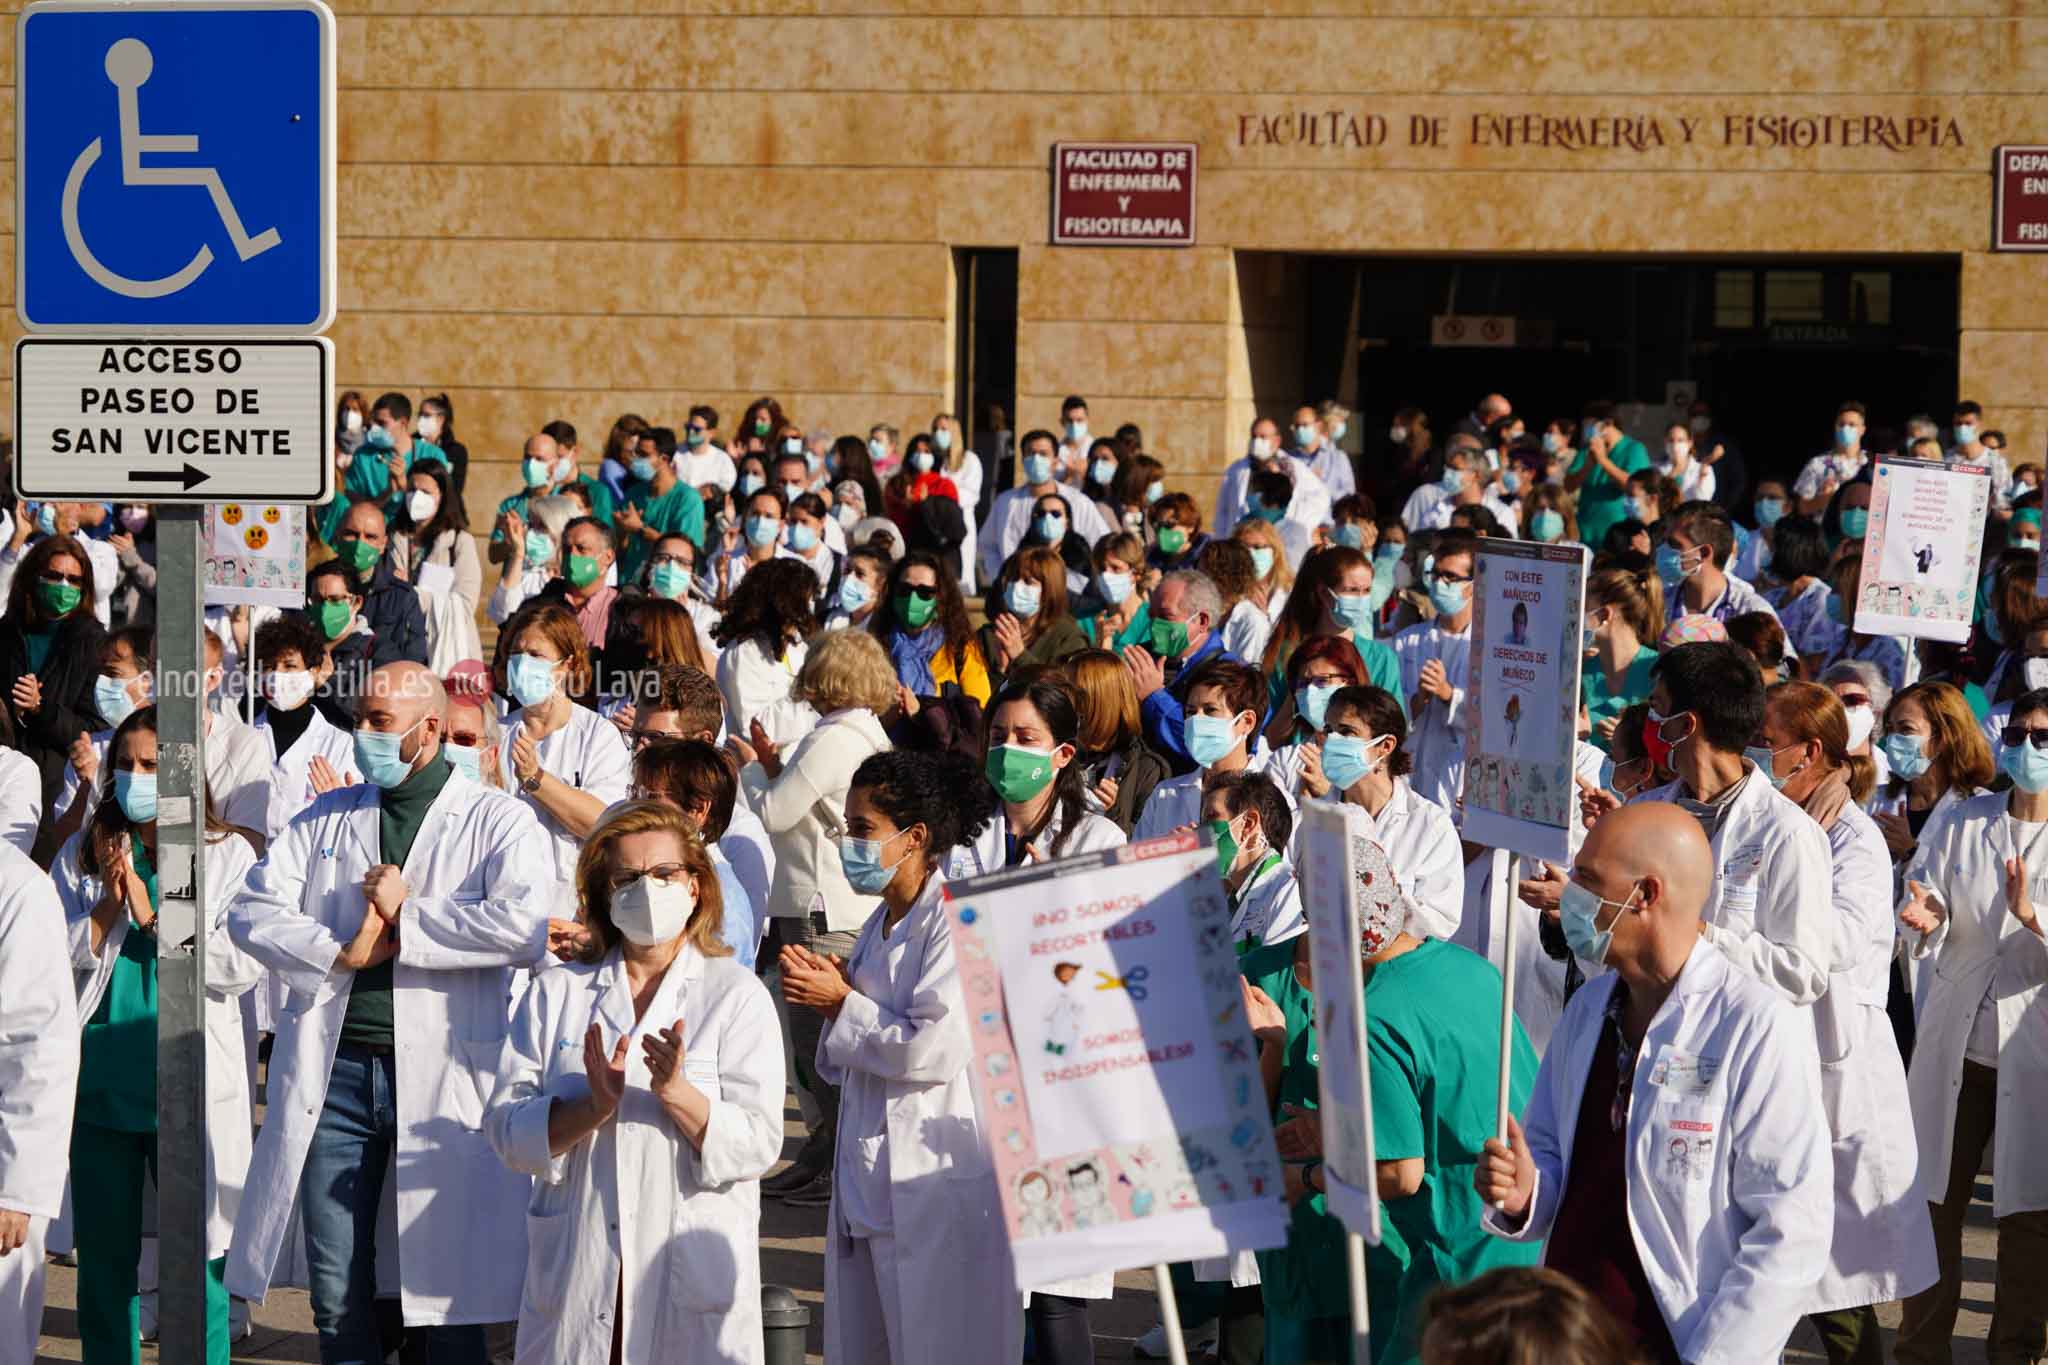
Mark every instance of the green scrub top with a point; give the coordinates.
(38, 642)
(680, 511)
(117, 1051)
(1382, 670)
(1138, 632)
(1604, 705)
(1602, 501)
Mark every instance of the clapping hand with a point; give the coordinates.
(1922, 912)
(1148, 675)
(1009, 640)
(2017, 903)
(1434, 681)
(766, 752)
(1595, 802)
(322, 775)
(567, 939)
(812, 981)
(606, 1074)
(1268, 1024)
(664, 1052)
(28, 693)
(1299, 1134)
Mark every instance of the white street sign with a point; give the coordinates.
(133, 419)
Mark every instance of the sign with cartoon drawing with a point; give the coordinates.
(1528, 610)
(1921, 554)
(1115, 1076)
(256, 554)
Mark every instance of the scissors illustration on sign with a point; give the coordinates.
(1131, 982)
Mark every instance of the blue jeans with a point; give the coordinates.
(339, 1193)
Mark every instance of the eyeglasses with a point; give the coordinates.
(678, 561)
(2013, 735)
(923, 592)
(663, 872)
(1442, 576)
(53, 576)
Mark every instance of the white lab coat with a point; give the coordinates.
(1979, 946)
(229, 972)
(988, 851)
(1429, 863)
(1268, 911)
(1769, 909)
(291, 789)
(1884, 1244)
(237, 773)
(1306, 510)
(1246, 630)
(1732, 1241)
(1332, 465)
(967, 483)
(1009, 520)
(38, 1086)
(751, 680)
(903, 1033)
(803, 810)
(635, 1199)
(1436, 729)
(477, 910)
(21, 799)
(588, 754)
(1178, 800)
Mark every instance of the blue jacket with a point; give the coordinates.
(1163, 712)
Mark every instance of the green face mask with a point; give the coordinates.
(333, 618)
(582, 571)
(1226, 846)
(58, 599)
(914, 611)
(1172, 539)
(361, 555)
(1169, 638)
(1018, 774)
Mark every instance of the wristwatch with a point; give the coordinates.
(530, 785)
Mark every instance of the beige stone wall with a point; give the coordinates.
(670, 202)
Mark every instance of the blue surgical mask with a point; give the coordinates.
(942, 438)
(1907, 755)
(1353, 611)
(1312, 703)
(135, 793)
(1453, 479)
(1262, 561)
(1769, 511)
(379, 756)
(1855, 522)
(1765, 759)
(530, 679)
(1305, 438)
(1022, 598)
(377, 438)
(46, 518)
(749, 484)
(922, 460)
(1347, 758)
(2025, 765)
(465, 760)
(1448, 598)
(111, 697)
(1552, 443)
(1966, 432)
(861, 861)
(1670, 566)
(1116, 587)
(1547, 525)
(538, 548)
(1579, 917)
(533, 472)
(763, 530)
(1154, 491)
(1511, 480)
(1037, 468)
(802, 537)
(854, 594)
(1209, 738)
(1846, 436)
(643, 469)
(1350, 535)
(878, 449)
(1102, 469)
(1051, 528)
(1077, 431)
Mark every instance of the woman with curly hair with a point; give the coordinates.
(761, 638)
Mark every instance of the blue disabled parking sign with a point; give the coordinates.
(175, 166)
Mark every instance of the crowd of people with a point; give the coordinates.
(523, 948)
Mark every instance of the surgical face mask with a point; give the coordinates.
(1966, 432)
(1511, 481)
(854, 594)
(135, 519)
(648, 912)
(1210, 738)
(1353, 611)
(1227, 847)
(693, 439)
(670, 581)
(1659, 748)
(1397, 433)
(1855, 522)
(1262, 561)
(922, 460)
(1453, 479)
(2025, 765)
(643, 469)
(792, 491)
(380, 756)
(1051, 528)
(1023, 598)
(377, 438)
(749, 484)
(914, 611)
(1116, 587)
(861, 861)
(1077, 431)
(465, 759)
(1673, 566)
(1447, 598)
(803, 538)
(1907, 755)
(533, 472)
(1847, 436)
(1862, 720)
(847, 515)
(352, 421)
(1766, 759)
(1769, 511)
(113, 699)
(1102, 469)
(1018, 773)
(530, 679)
(2034, 672)
(1255, 506)
(1674, 451)
(1169, 638)
(1337, 432)
(1172, 539)
(1350, 535)
(1305, 438)
(792, 445)
(538, 548)
(1347, 760)
(1154, 491)
(2027, 544)
(135, 793)
(1037, 469)
(1312, 703)
(1579, 917)
(563, 468)
(763, 530)
(430, 426)
(46, 519)
(1553, 444)
(1547, 525)
(1589, 429)
(360, 554)
(420, 506)
(1262, 448)
(581, 570)
(878, 449)
(942, 437)
(288, 691)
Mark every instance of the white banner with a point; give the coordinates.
(1921, 553)
(1115, 1076)
(255, 555)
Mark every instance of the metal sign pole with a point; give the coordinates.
(181, 935)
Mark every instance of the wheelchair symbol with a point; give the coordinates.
(128, 66)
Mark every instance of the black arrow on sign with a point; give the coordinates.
(190, 476)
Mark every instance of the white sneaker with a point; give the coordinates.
(1152, 1345)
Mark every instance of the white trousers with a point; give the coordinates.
(864, 1314)
(21, 1297)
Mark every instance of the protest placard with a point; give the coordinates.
(1114, 1073)
(1921, 553)
(1528, 610)
(256, 555)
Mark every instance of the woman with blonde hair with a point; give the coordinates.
(1625, 613)
(1273, 575)
(1118, 769)
(1551, 515)
(1028, 620)
(642, 1089)
(1937, 759)
(848, 680)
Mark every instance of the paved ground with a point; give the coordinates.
(793, 1253)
